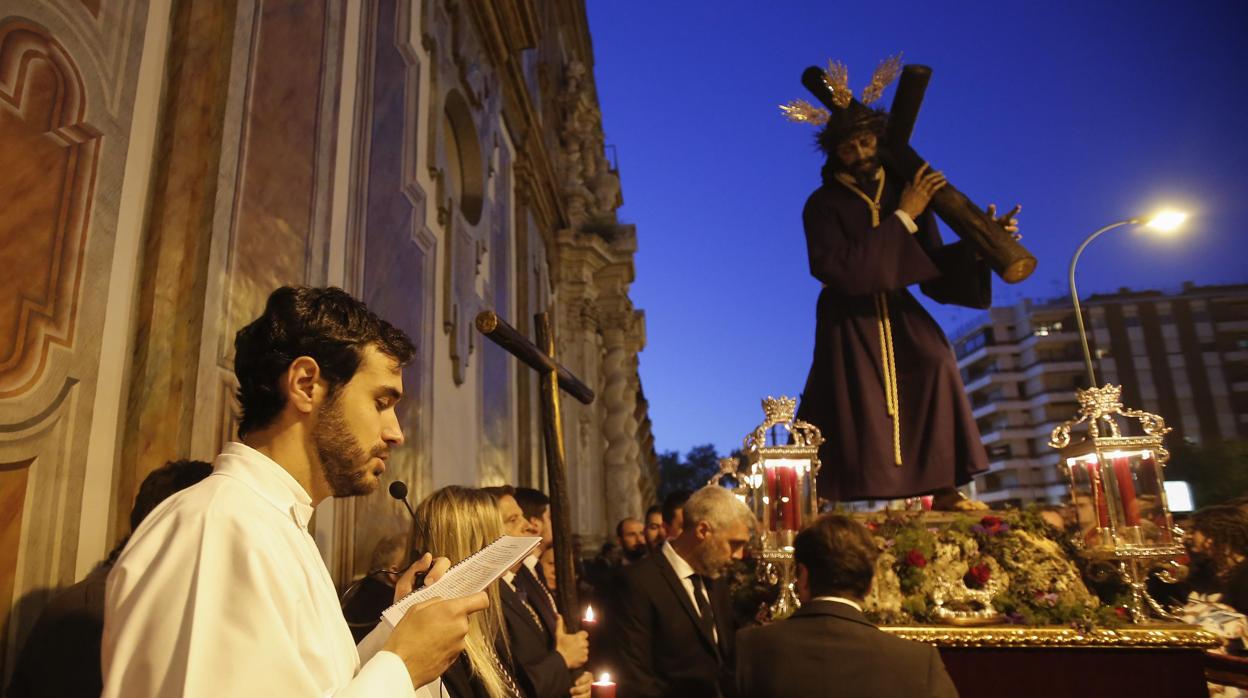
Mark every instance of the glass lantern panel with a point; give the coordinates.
(1138, 497)
(1089, 498)
(788, 499)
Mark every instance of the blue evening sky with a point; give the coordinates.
(1084, 112)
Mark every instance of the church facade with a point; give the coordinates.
(165, 166)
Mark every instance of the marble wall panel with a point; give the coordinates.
(395, 252)
(496, 459)
(280, 219)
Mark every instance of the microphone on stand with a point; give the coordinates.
(398, 490)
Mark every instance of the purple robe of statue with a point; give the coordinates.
(845, 394)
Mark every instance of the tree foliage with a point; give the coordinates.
(690, 473)
(1216, 472)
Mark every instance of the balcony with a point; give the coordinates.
(1060, 337)
(1000, 405)
(1008, 464)
(1042, 367)
(984, 352)
(1004, 434)
(1002, 376)
(1049, 397)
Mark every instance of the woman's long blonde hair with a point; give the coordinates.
(456, 522)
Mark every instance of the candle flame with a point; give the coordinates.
(604, 677)
(589, 614)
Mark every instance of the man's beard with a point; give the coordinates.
(713, 567)
(864, 170)
(634, 554)
(1204, 574)
(342, 458)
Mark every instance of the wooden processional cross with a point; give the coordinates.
(541, 358)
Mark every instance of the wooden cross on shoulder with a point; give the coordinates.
(541, 358)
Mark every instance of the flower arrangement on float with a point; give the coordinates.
(1009, 567)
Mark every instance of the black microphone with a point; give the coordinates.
(398, 490)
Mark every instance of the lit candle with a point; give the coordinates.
(1098, 494)
(1126, 491)
(773, 498)
(604, 687)
(791, 520)
(589, 620)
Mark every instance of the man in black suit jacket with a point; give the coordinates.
(828, 648)
(673, 622)
(547, 660)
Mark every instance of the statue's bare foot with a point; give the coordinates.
(950, 499)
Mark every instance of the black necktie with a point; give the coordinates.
(704, 606)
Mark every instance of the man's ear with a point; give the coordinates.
(300, 384)
(703, 530)
(802, 582)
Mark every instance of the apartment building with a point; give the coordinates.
(1183, 355)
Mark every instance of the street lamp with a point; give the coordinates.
(1116, 478)
(1164, 221)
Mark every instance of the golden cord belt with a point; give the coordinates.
(888, 360)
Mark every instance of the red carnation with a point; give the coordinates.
(914, 558)
(977, 576)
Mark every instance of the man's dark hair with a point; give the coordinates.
(619, 527)
(654, 509)
(672, 502)
(1226, 526)
(863, 120)
(839, 556)
(326, 324)
(164, 481)
(500, 491)
(532, 502)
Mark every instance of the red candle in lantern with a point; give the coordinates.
(773, 498)
(604, 687)
(1098, 495)
(589, 621)
(791, 522)
(1126, 491)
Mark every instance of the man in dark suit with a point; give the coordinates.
(547, 659)
(828, 648)
(673, 622)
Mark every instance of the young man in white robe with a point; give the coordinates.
(222, 590)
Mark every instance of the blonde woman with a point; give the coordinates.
(457, 522)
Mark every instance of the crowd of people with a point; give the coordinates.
(221, 589)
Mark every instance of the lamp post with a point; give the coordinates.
(1164, 221)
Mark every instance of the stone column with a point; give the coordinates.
(619, 426)
(623, 333)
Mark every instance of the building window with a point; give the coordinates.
(975, 342)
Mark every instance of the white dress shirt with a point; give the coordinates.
(222, 592)
(840, 599)
(685, 572)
